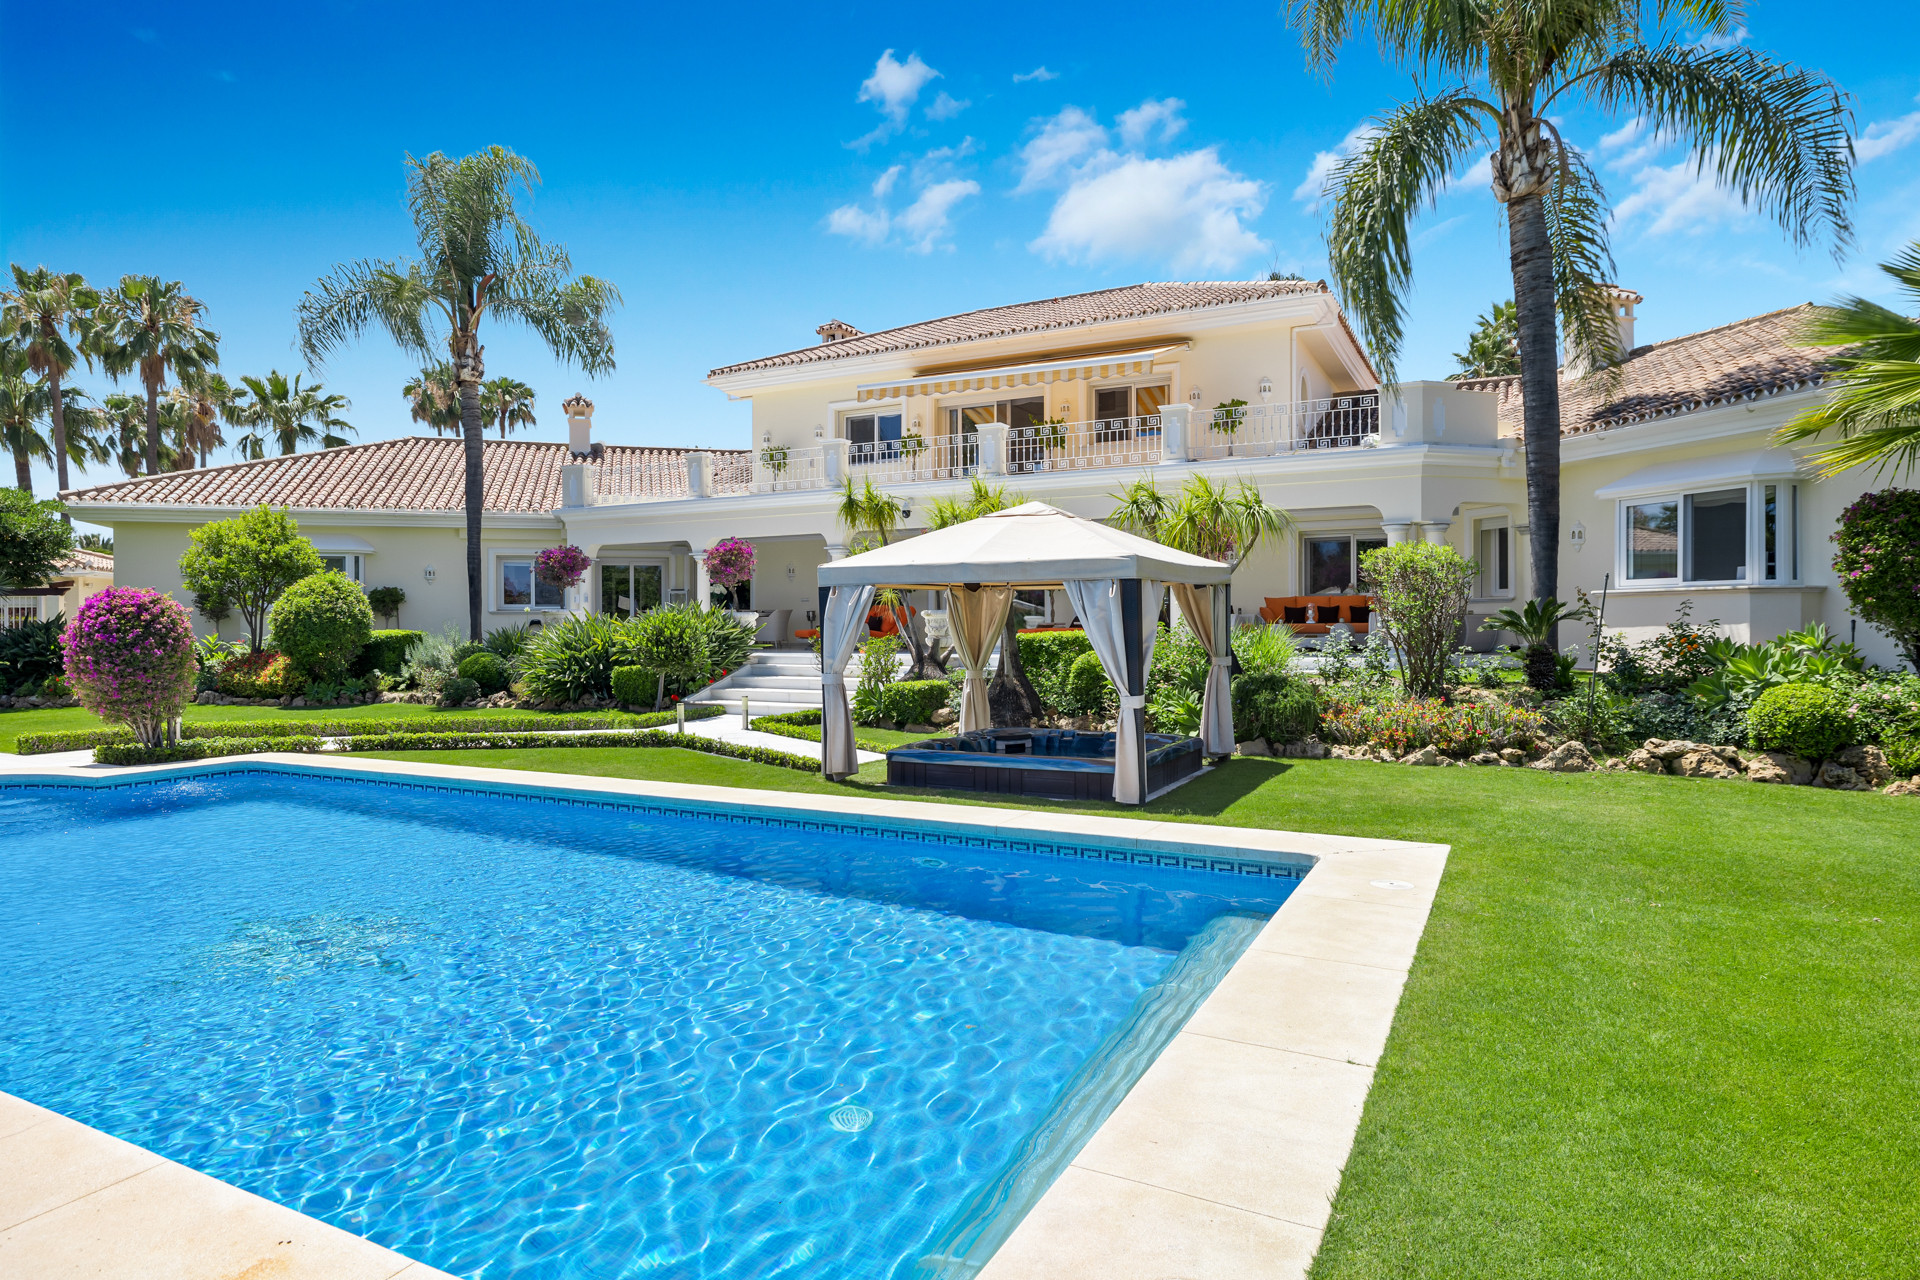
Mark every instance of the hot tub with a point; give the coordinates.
(1064, 764)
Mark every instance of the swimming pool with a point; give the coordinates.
(515, 1034)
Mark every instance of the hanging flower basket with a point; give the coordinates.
(730, 562)
(562, 566)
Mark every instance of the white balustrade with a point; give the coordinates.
(1267, 430)
(1085, 446)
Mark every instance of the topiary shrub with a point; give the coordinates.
(259, 675)
(1273, 707)
(1086, 691)
(487, 669)
(386, 651)
(912, 701)
(635, 686)
(129, 659)
(1878, 562)
(466, 649)
(321, 623)
(1808, 720)
(386, 601)
(458, 690)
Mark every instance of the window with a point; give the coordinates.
(1113, 402)
(874, 436)
(1743, 534)
(1333, 562)
(519, 589)
(1495, 553)
(351, 565)
(629, 589)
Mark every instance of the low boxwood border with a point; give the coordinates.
(208, 748)
(33, 744)
(804, 725)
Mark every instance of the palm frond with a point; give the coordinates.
(1777, 135)
(1576, 208)
(1874, 404)
(360, 295)
(1377, 192)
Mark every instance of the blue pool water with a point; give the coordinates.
(513, 1037)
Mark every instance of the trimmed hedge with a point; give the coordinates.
(1047, 657)
(197, 749)
(912, 701)
(386, 651)
(488, 670)
(804, 726)
(523, 741)
(32, 744)
(1808, 720)
(635, 686)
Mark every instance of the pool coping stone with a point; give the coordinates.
(1223, 1160)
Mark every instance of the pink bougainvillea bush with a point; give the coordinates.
(562, 566)
(130, 659)
(730, 562)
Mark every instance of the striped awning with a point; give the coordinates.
(1104, 364)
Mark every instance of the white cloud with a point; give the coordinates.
(855, 223)
(1884, 137)
(1324, 163)
(1633, 143)
(946, 106)
(1733, 39)
(1063, 142)
(1186, 210)
(1679, 197)
(1477, 174)
(884, 183)
(1137, 126)
(1038, 73)
(925, 221)
(894, 86)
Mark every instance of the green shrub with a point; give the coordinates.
(575, 658)
(1420, 592)
(387, 651)
(672, 643)
(1048, 656)
(510, 741)
(486, 669)
(635, 686)
(509, 641)
(197, 749)
(430, 662)
(31, 744)
(259, 675)
(1878, 564)
(1273, 707)
(878, 668)
(30, 653)
(466, 649)
(1399, 725)
(1805, 719)
(458, 690)
(1903, 752)
(728, 641)
(1265, 648)
(1086, 691)
(386, 601)
(321, 623)
(912, 701)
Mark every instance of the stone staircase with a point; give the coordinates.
(773, 680)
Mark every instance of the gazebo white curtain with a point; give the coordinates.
(1204, 608)
(1098, 602)
(976, 616)
(844, 622)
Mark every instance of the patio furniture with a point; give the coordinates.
(773, 627)
(1314, 615)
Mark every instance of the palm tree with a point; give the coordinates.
(477, 256)
(1773, 133)
(433, 399)
(508, 403)
(1493, 349)
(208, 400)
(868, 515)
(1875, 405)
(278, 410)
(48, 312)
(151, 327)
(24, 400)
(121, 425)
(1218, 521)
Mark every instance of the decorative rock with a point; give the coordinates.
(1869, 762)
(1909, 787)
(1513, 755)
(920, 728)
(1568, 757)
(1485, 757)
(1835, 776)
(1641, 760)
(1424, 756)
(1668, 751)
(1304, 749)
(1781, 768)
(943, 717)
(1702, 763)
(1253, 747)
(1613, 764)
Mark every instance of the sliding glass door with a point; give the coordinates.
(629, 589)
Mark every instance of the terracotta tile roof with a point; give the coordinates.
(412, 473)
(81, 560)
(1745, 360)
(1124, 303)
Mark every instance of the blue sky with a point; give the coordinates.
(745, 173)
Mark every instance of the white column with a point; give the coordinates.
(1397, 531)
(993, 448)
(1435, 531)
(702, 583)
(836, 551)
(1175, 422)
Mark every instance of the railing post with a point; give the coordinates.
(993, 448)
(1176, 424)
(833, 461)
(577, 484)
(700, 474)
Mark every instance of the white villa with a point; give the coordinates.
(1671, 484)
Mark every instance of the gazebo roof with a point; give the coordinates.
(1033, 545)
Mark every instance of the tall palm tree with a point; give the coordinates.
(432, 398)
(1493, 348)
(151, 327)
(24, 401)
(50, 312)
(508, 403)
(477, 257)
(120, 423)
(1773, 133)
(278, 410)
(208, 400)
(1875, 404)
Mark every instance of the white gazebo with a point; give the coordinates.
(1114, 580)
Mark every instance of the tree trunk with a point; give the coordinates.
(1533, 298)
(59, 417)
(23, 471)
(1011, 695)
(153, 426)
(468, 371)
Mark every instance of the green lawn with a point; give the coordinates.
(15, 723)
(1658, 1028)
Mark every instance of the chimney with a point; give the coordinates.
(1622, 302)
(836, 331)
(579, 425)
